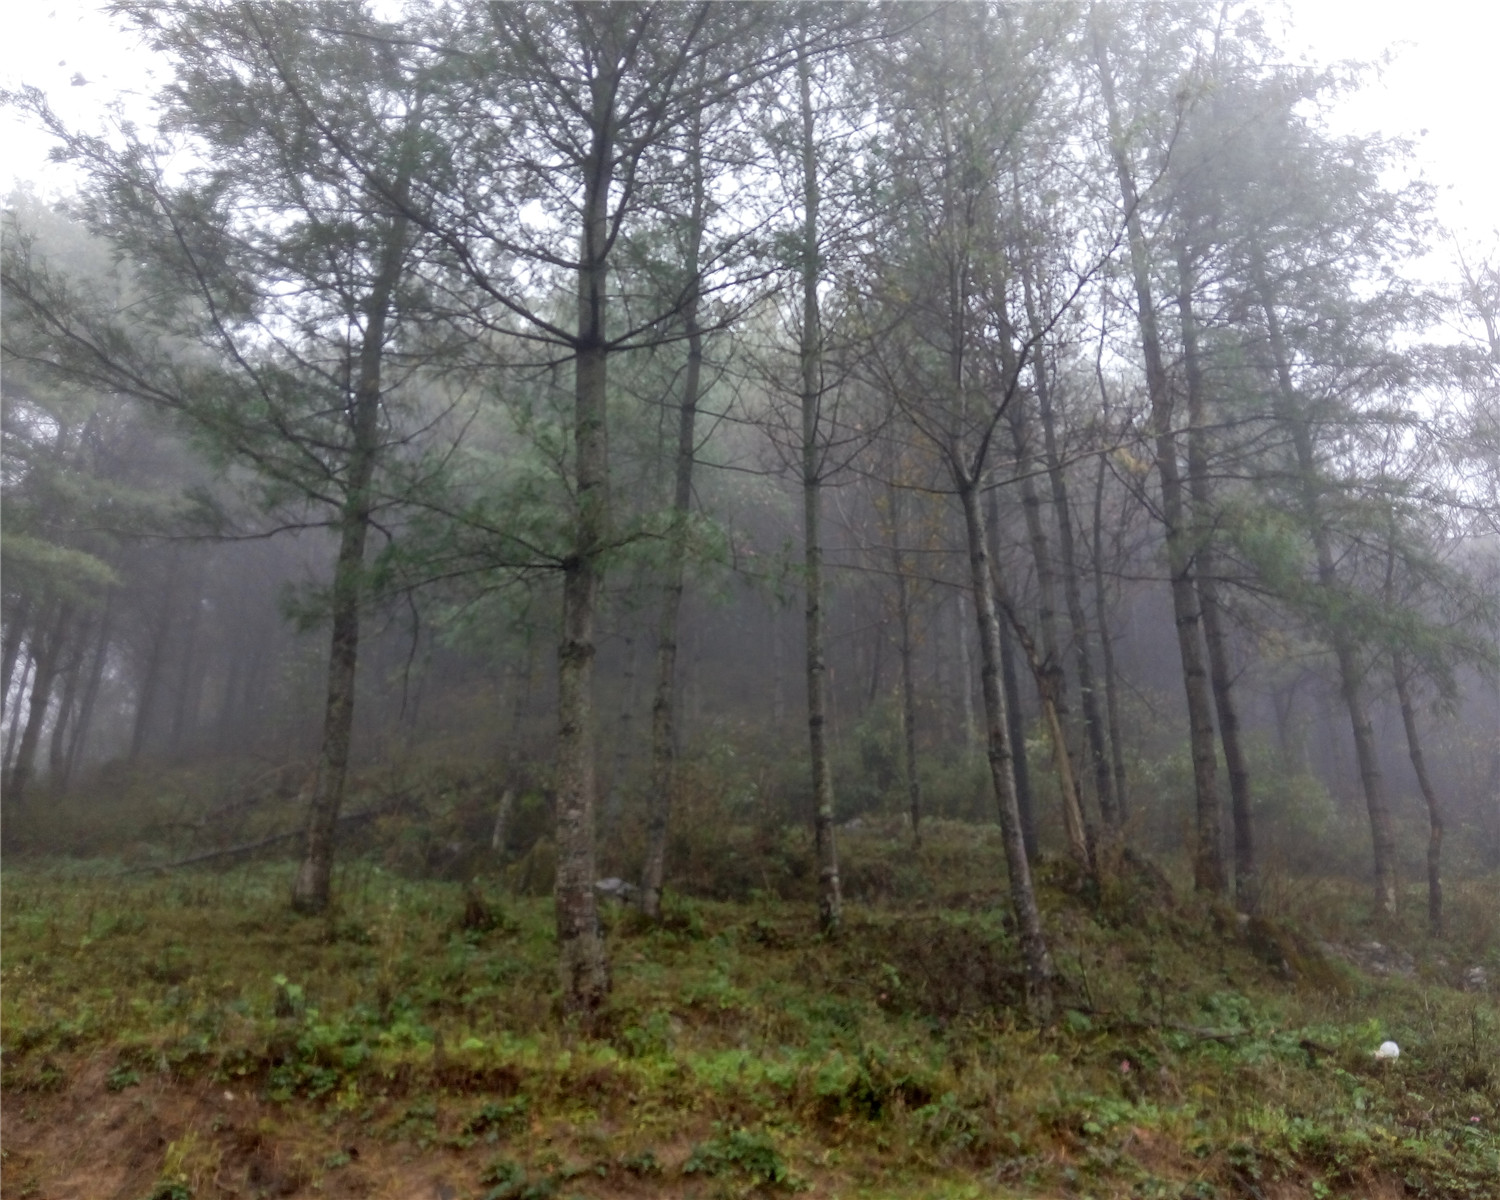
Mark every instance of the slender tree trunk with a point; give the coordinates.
(71, 673)
(1080, 844)
(312, 890)
(965, 681)
(908, 679)
(1015, 725)
(1093, 725)
(1221, 675)
(830, 897)
(13, 734)
(1107, 656)
(614, 800)
(90, 693)
(1038, 960)
(15, 633)
(1046, 666)
(1429, 794)
(1015, 714)
(48, 654)
(1208, 856)
(663, 712)
(1346, 654)
(582, 964)
(146, 696)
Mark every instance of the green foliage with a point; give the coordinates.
(740, 1033)
(748, 1153)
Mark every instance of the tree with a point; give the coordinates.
(580, 108)
(946, 282)
(1208, 868)
(279, 285)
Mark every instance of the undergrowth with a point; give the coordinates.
(742, 1053)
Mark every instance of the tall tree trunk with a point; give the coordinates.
(312, 890)
(1046, 666)
(965, 681)
(1093, 725)
(614, 800)
(1037, 958)
(1051, 677)
(13, 734)
(1015, 726)
(1015, 714)
(1221, 675)
(830, 896)
(1107, 656)
(150, 688)
(1434, 807)
(1345, 652)
(1080, 844)
(91, 692)
(15, 633)
(582, 964)
(908, 680)
(663, 723)
(48, 655)
(1208, 854)
(71, 673)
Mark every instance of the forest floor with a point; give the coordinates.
(182, 1035)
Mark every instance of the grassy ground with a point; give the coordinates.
(183, 1035)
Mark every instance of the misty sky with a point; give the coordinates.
(1441, 81)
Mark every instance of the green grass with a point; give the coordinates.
(743, 1054)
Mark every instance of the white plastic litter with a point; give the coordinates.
(1388, 1050)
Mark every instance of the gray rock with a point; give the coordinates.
(617, 889)
(1476, 979)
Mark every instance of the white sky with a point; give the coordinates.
(1443, 80)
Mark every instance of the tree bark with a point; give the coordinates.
(15, 633)
(1015, 724)
(582, 964)
(965, 681)
(1434, 807)
(1208, 856)
(1107, 657)
(1221, 675)
(830, 897)
(1093, 726)
(614, 800)
(908, 680)
(81, 726)
(663, 705)
(1037, 958)
(13, 734)
(312, 890)
(1015, 715)
(48, 656)
(71, 673)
